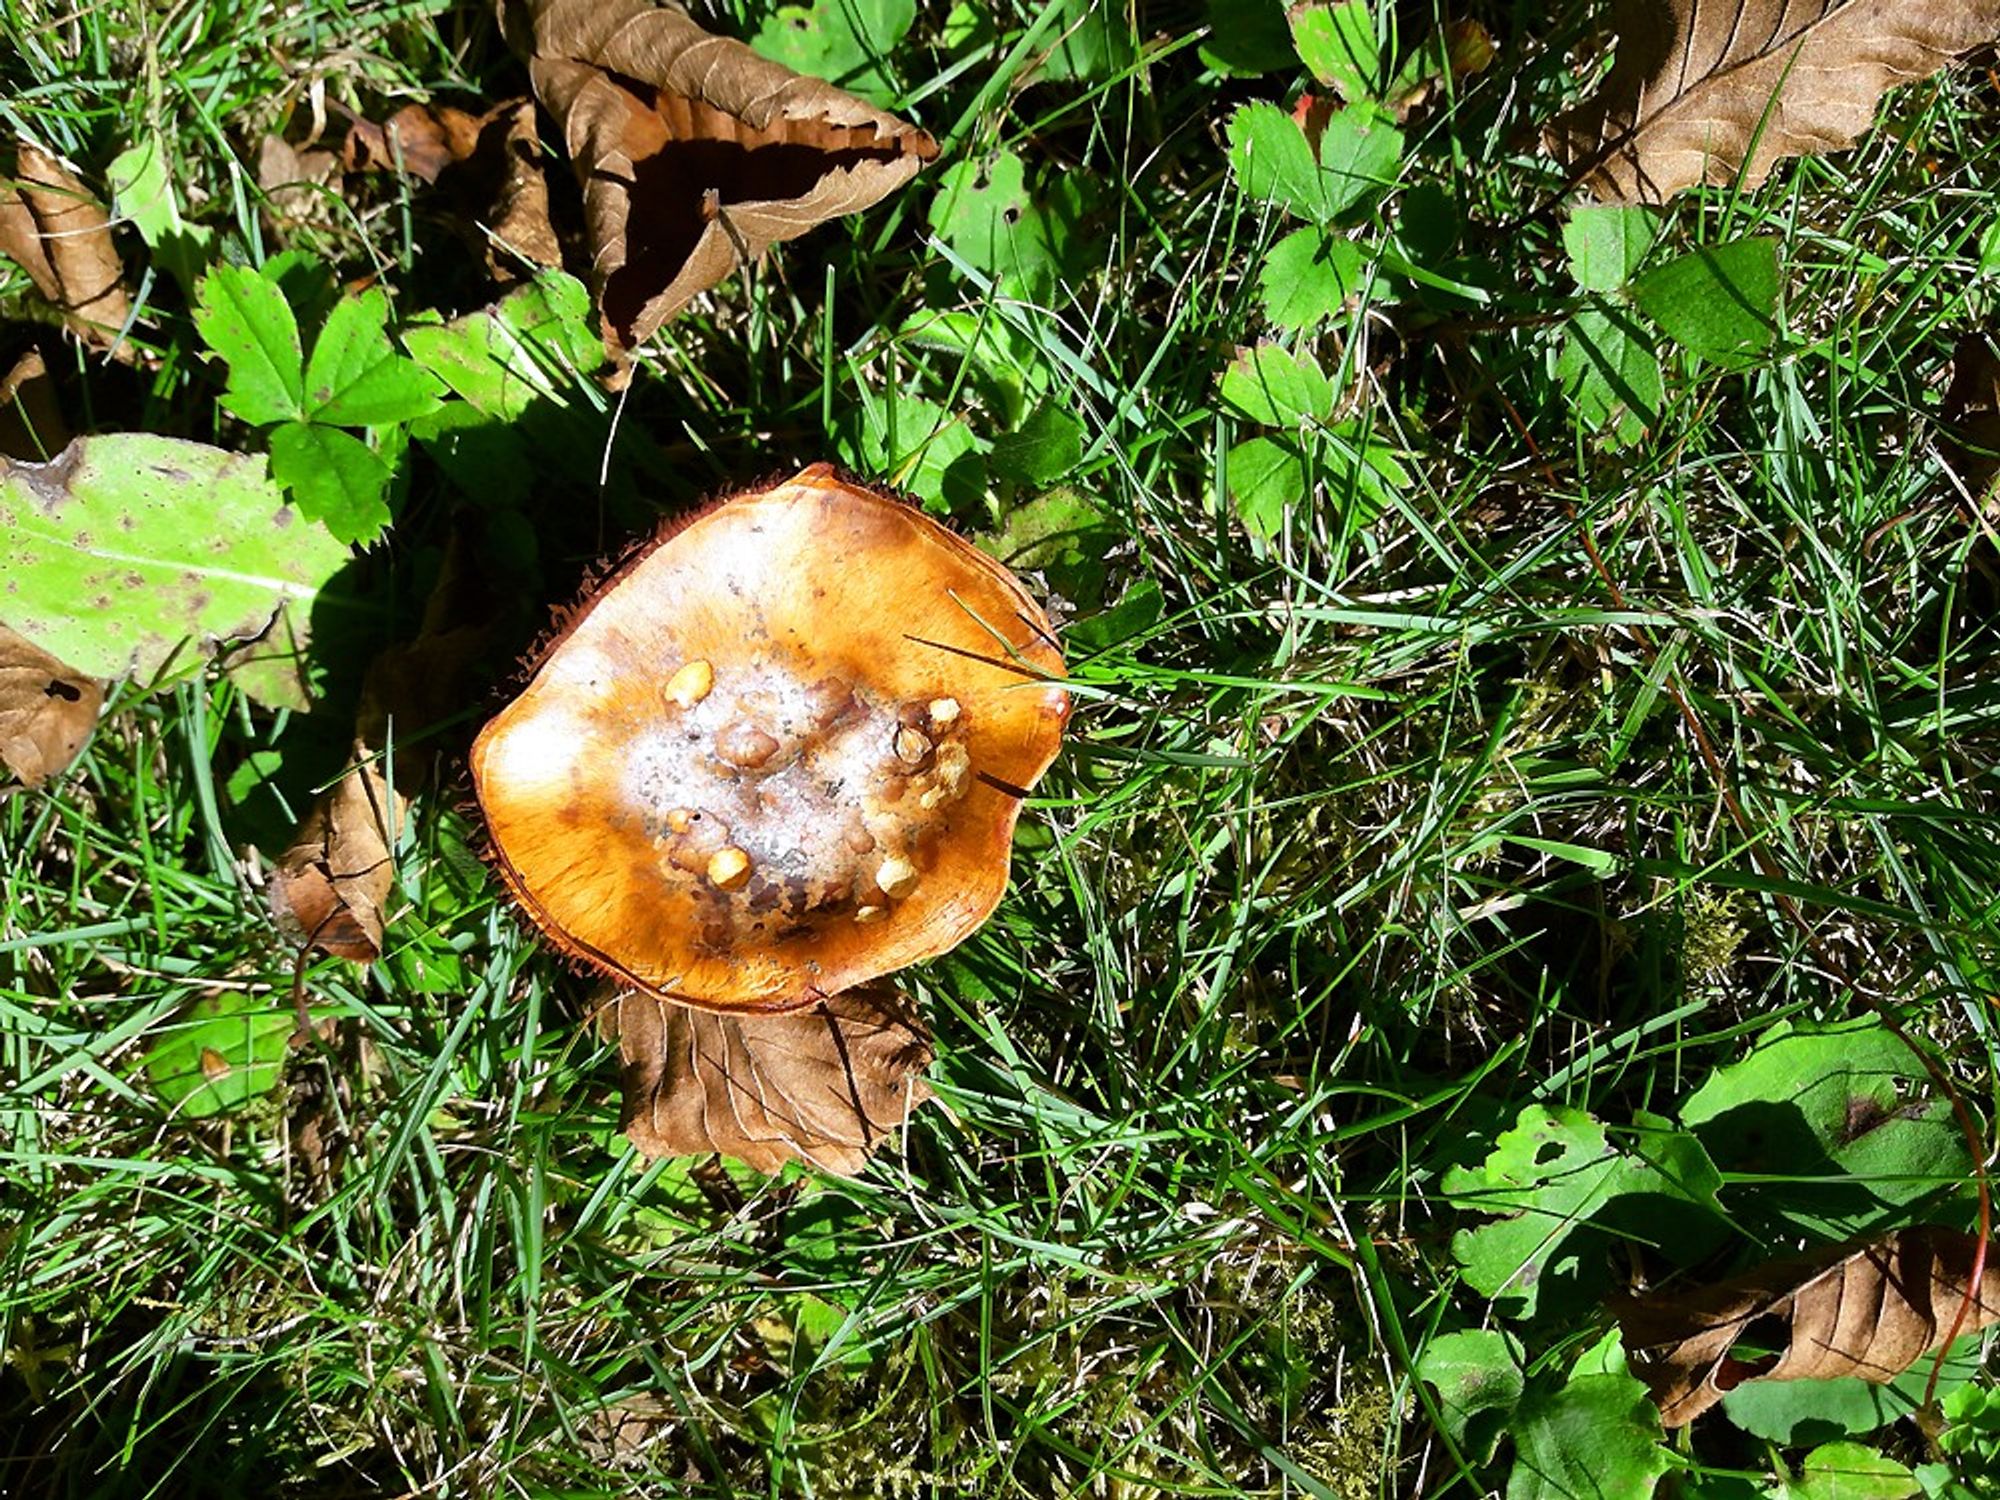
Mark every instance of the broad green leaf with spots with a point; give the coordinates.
(1551, 1174)
(105, 571)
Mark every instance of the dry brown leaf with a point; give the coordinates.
(334, 881)
(420, 140)
(1870, 1309)
(491, 164)
(331, 885)
(824, 1085)
(31, 423)
(46, 710)
(295, 183)
(55, 231)
(695, 154)
(1704, 88)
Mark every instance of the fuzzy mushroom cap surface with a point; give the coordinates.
(779, 753)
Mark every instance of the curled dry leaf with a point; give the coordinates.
(490, 163)
(60, 235)
(1703, 89)
(295, 183)
(31, 423)
(332, 884)
(824, 1086)
(695, 154)
(46, 710)
(1869, 1309)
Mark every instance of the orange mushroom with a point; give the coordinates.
(778, 754)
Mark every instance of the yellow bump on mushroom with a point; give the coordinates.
(681, 819)
(729, 868)
(691, 683)
(912, 745)
(953, 762)
(944, 711)
(870, 913)
(897, 877)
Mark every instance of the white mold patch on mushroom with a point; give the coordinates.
(782, 804)
(540, 754)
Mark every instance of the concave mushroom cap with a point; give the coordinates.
(778, 754)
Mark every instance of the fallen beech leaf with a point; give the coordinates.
(31, 424)
(490, 164)
(824, 1086)
(417, 139)
(334, 880)
(46, 710)
(1704, 88)
(696, 155)
(295, 183)
(1869, 1309)
(61, 236)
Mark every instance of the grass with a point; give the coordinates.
(1370, 832)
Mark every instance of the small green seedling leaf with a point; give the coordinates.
(106, 571)
(224, 1051)
(1607, 243)
(848, 42)
(1336, 42)
(1266, 479)
(1596, 1437)
(1096, 43)
(246, 320)
(142, 190)
(335, 478)
(1044, 448)
(356, 378)
(1719, 302)
(1308, 277)
(526, 347)
(1611, 376)
(1276, 387)
(1848, 1471)
(1275, 163)
(1248, 37)
(1474, 1372)
(984, 211)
